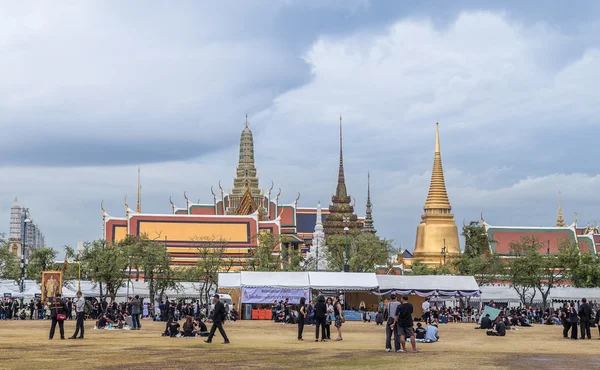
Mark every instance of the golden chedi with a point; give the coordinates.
(437, 234)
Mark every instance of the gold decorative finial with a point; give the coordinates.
(437, 199)
(246, 119)
(102, 208)
(138, 208)
(576, 218)
(560, 221)
(172, 205)
(126, 207)
(482, 220)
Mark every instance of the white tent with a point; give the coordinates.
(440, 284)
(230, 280)
(348, 281)
(504, 293)
(274, 279)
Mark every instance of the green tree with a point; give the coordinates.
(476, 240)
(366, 250)
(105, 264)
(524, 268)
(583, 270)
(41, 259)
(261, 257)
(9, 263)
(419, 268)
(212, 259)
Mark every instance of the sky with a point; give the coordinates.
(91, 90)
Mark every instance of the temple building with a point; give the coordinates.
(550, 238)
(341, 212)
(368, 224)
(235, 217)
(437, 234)
(317, 254)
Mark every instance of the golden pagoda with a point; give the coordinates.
(560, 221)
(437, 234)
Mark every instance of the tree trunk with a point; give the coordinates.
(100, 291)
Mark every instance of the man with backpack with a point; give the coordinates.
(80, 313)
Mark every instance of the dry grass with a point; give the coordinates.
(265, 345)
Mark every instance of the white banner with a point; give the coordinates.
(268, 295)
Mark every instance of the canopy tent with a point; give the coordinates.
(429, 285)
(504, 293)
(229, 280)
(274, 279)
(342, 281)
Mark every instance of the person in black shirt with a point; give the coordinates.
(585, 316)
(219, 315)
(420, 331)
(486, 322)
(301, 317)
(573, 320)
(57, 307)
(173, 328)
(320, 318)
(564, 320)
(404, 320)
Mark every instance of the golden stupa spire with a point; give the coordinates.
(138, 208)
(437, 199)
(560, 221)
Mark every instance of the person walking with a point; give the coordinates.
(301, 317)
(57, 314)
(585, 316)
(573, 319)
(390, 328)
(320, 318)
(219, 314)
(79, 316)
(135, 312)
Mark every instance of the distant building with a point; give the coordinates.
(23, 230)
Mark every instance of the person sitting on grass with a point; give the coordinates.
(173, 328)
(432, 333)
(234, 315)
(500, 328)
(486, 322)
(188, 327)
(103, 321)
(420, 331)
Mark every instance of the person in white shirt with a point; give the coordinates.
(426, 312)
(80, 312)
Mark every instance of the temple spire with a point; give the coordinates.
(341, 185)
(368, 225)
(560, 221)
(319, 222)
(138, 208)
(437, 198)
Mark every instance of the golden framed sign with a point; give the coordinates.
(51, 284)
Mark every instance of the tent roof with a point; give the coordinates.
(343, 280)
(229, 280)
(427, 282)
(274, 279)
(506, 293)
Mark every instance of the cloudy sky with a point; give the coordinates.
(91, 90)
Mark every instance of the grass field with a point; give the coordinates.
(265, 345)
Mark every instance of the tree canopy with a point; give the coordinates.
(366, 250)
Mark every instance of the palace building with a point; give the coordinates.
(234, 217)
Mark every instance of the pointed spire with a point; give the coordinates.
(246, 119)
(341, 185)
(560, 221)
(16, 201)
(319, 223)
(368, 225)
(437, 199)
(138, 208)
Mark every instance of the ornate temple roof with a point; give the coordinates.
(340, 209)
(560, 221)
(368, 225)
(437, 198)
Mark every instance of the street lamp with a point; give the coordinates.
(548, 251)
(23, 260)
(346, 229)
(444, 252)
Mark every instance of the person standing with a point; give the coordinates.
(390, 327)
(585, 316)
(79, 315)
(219, 315)
(135, 312)
(564, 320)
(57, 314)
(339, 317)
(320, 318)
(426, 311)
(404, 320)
(301, 317)
(573, 319)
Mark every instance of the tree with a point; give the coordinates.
(106, 264)
(366, 250)
(583, 270)
(9, 263)
(420, 268)
(477, 260)
(290, 258)
(211, 260)
(524, 268)
(41, 259)
(261, 257)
